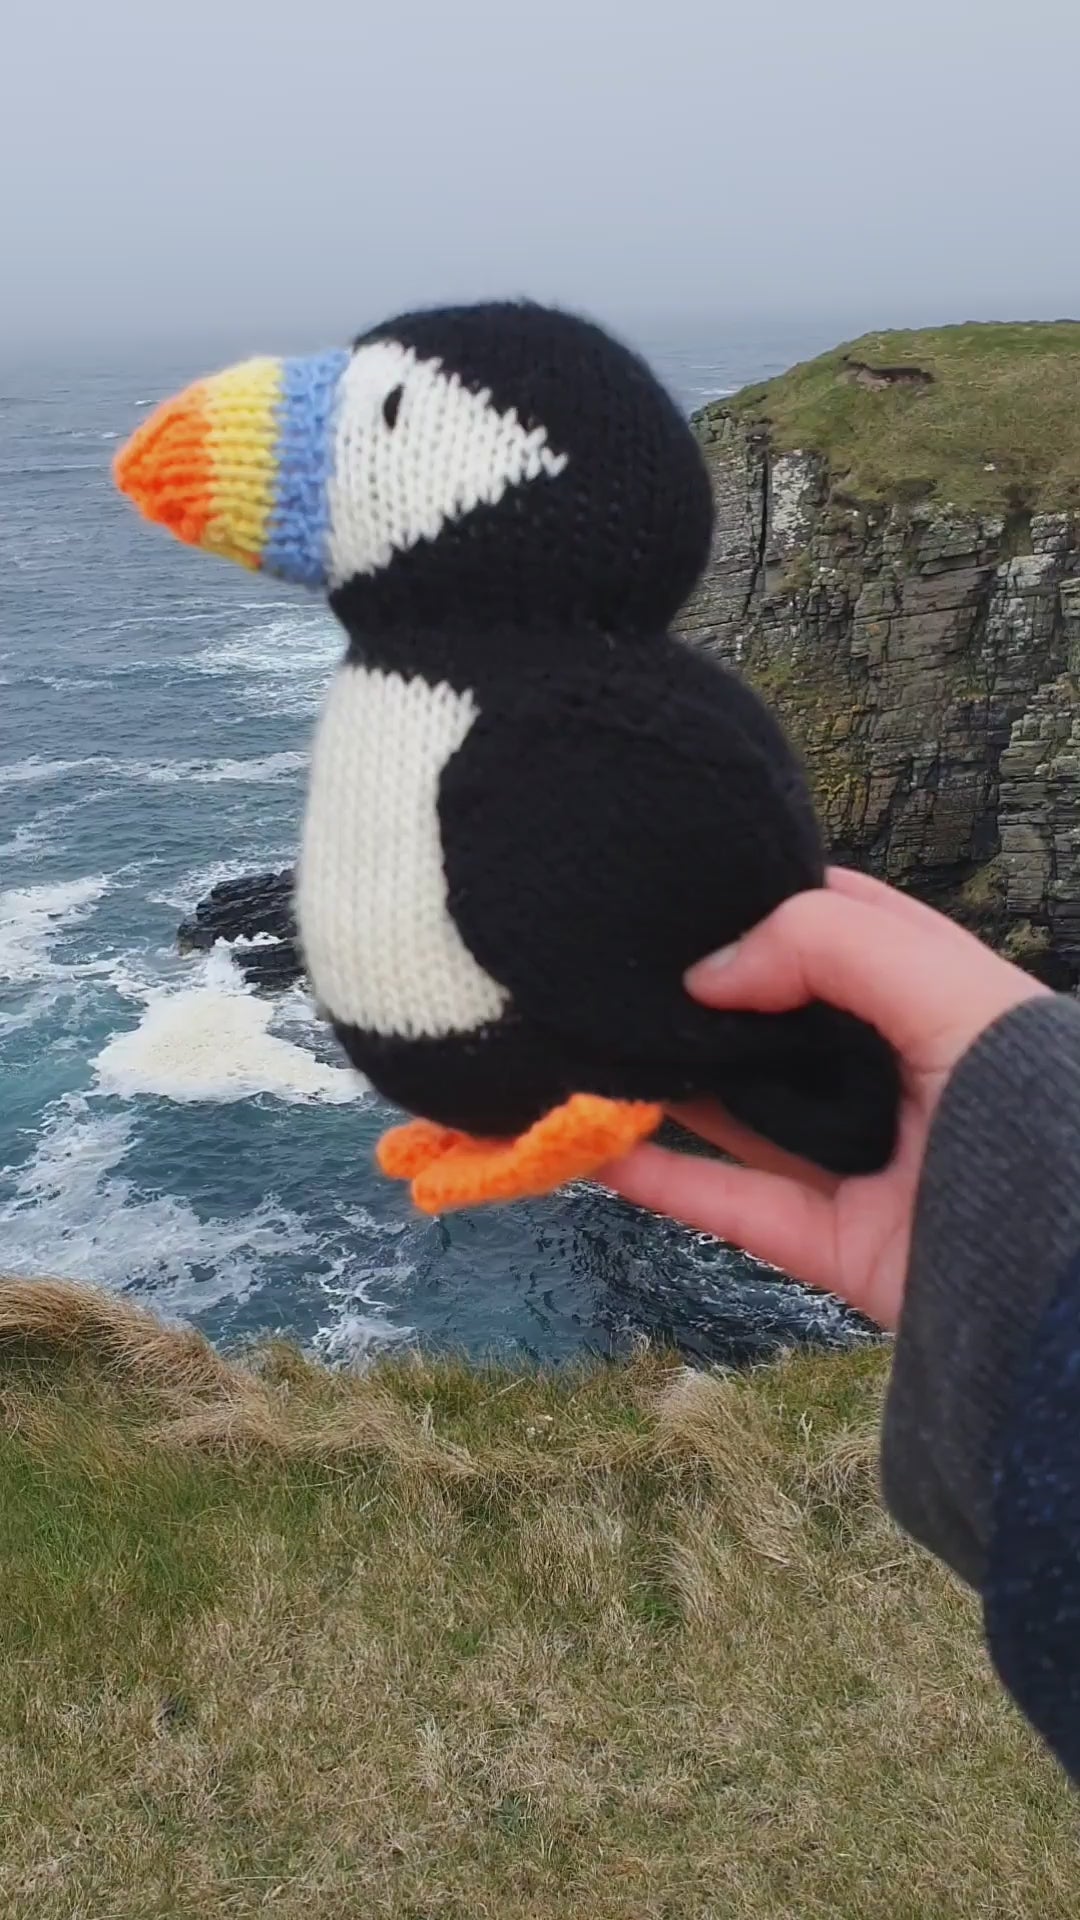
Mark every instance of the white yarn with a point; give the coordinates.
(447, 451)
(381, 949)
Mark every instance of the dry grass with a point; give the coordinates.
(998, 431)
(632, 1644)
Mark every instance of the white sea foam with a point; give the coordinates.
(74, 1214)
(182, 893)
(258, 771)
(283, 664)
(35, 924)
(355, 1333)
(353, 1287)
(27, 841)
(277, 648)
(34, 771)
(32, 919)
(212, 1042)
(151, 623)
(39, 838)
(296, 1009)
(66, 683)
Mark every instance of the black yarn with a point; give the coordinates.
(622, 805)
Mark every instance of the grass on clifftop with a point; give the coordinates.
(998, 431)
(443, 1643)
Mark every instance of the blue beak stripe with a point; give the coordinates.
(297, 536)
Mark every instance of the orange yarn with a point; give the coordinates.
(571, 1142)
(166, 467)
(406, 1151)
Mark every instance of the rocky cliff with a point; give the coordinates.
(897, 568)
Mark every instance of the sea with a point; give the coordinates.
(165, 1131)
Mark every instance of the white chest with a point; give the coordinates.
(380, 946)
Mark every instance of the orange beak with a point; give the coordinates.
(166, 467)
(240, 463)
(205, 464)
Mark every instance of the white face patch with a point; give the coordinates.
(413, 449)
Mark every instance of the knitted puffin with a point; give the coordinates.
(530, 809)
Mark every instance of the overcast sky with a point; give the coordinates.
(286, 173)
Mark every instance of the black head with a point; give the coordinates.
(510, 465)
(467, 470)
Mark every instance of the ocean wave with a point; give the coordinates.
(258, 771)
(353, 1288)
(212, 1042)
(33, 919)
(183, 892)
(65, 683)
(297, 1012)
(73, 1214)
(358, 1333)
(47, 469)
(161, 617)
(30, 840)
(283, 665)
(43, 960)
(37, 839)
(293, 645)
(34, 771)
(75, 1211)
(24, 843)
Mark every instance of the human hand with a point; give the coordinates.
(929, 987)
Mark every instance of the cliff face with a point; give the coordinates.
(926, 660)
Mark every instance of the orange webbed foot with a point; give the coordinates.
(570, 1143)
(406, 1151)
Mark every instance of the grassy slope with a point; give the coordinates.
(1005, 397)
(631, 1643)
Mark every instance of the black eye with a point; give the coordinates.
(391, 406)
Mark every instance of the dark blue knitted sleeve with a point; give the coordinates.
(1031, 1585)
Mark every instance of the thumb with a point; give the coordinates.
(916, 981)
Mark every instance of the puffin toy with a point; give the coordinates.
(530, 809)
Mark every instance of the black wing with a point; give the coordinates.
(599, 838)
(597, 841)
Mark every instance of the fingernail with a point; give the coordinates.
(703, 973)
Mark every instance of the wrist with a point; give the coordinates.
(997, 1219)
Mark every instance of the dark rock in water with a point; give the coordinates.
(240, 910)
(271, 966)
(257, 908)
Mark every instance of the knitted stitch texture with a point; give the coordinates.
(530, 809)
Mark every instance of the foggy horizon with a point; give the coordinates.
(261, 178)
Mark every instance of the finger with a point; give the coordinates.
(777, 1220)
(824, 946)
(875, 893)
(710, 1122)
